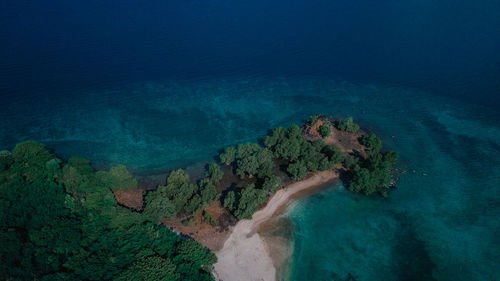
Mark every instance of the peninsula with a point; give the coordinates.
(101, 225)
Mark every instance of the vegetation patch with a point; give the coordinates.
(60, 221)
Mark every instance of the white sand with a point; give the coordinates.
(245, 256)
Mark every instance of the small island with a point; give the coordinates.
(64, 220)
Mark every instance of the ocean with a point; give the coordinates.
(160, 85)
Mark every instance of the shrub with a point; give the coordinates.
(325, 130)
(208, 218)
(228, 156)
(214, 172)
(313, 119)
(254, 160)
(372, 174)
(373, 143)
(157, 206)
(297, 170)
(178, 189)
(208, 191)
(333, 153)
(230, 201)
(351, 161)
(348, 125)
(272, 184)
(120, 178)
(249, 201)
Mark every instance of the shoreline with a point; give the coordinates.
(245, 254)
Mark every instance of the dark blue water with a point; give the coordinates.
(164, 84)
(449, 47)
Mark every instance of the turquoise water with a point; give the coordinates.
(441, 222)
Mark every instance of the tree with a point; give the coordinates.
(333, 153)
(311, 156)
(214, 173)
(30, 158)
(266, 163)
(82, 165)
(249, 201)
(325, 130)
(228, 156)
(373, 173)
(208, 191)
(193, 252)
(247, 166)
(361, 182)
(230, 201)
(286, 143)
(247, 150)
(151, 268)
(208, 218)
(120, 178)
(351, 161)
(74, 181)
(178, 189)
(297, 170)
(348, 125)
(372, 142)
(279, 134)
(254, 160)
(302, 156)
(324, 164)
(158, 206)
(271, 184)
(391, 157)
(194, 204)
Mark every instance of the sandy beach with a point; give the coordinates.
(245, 255)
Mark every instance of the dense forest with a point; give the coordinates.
(61, 221)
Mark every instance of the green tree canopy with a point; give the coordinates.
(214, 172)
(120, 178)
(208, 191)
(373, 142)
(60, 222)
(250, 200)
(333, 153)
(271, 184)
(297, 170)
(286, 143)
(348, 125)
(178, 189)
(151, 268)
(158, 206)
(230, 201)
(254, 160)
(325, 130)
(373, 173)
(228, 156)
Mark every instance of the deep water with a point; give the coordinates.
(159, 85)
